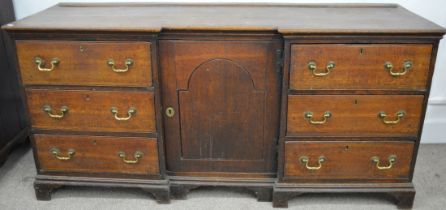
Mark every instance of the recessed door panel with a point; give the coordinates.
(221, 102)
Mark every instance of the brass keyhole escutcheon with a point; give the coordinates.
(170, 112)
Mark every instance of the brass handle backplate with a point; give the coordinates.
(128, 62)
(407, 65)
(309, 117)
(170, 112)
(312, 66)
(41, 63)
(399, 115)
(49, 111)
(391, 159)
(137, 155)
(306, 160)
(56, 153)
(130, 113)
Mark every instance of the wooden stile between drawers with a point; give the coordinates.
(97, 154)
(91, 110)
(85, 63)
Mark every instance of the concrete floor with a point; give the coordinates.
(16, 191)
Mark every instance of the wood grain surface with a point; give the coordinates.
(220, 93)
(359, 66)
(91, 110)
(354, 115)
(85, 63)
(285, 18)
(97, 154)
(347, 160)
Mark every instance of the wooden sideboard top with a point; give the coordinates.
(284, 18)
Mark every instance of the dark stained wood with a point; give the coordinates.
(220, 93)
(359, 66)
(44, 185)
(85, 63)
(354, 115)
(181, 185)
(13, 123)
(402, 193)
(347, 160)
(97, 154)
(285, 18)
(91, 110)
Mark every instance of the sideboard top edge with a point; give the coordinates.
(279, 18)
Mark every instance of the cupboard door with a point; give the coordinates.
(221, 105)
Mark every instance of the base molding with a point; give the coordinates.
(265, 189)
(402, 193)
(262, 187)
(44, 185)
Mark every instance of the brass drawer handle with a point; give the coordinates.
(138, 155)
(130, 113)
(309, 117)
(313, 68)
(41, 63)
(407, 65)
(391, 159)
(49, 111)
(305, 160)
(128, 62)
(56, 153)
(399, 115)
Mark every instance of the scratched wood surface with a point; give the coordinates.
(285, 18)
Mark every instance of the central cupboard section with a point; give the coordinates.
(221, 106)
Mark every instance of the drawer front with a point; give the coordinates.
(360, 66)
(354, 115)
(347, 160)
(85, 63)
(109, 111)
(97, 154)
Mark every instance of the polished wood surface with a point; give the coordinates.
(285, 18)
(220, 93)
(85, 63)
(347, 160)
(91, 110)
(97, 154)
(354, 115)
(360, 66)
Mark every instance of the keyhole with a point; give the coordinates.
(170, 112)
(361, 51)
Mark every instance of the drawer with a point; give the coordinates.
(85, 63)
(360, 66)
(354, 115)
(97, 154)
(85, 110)
(348, 160)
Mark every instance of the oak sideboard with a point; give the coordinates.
(281, 99)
